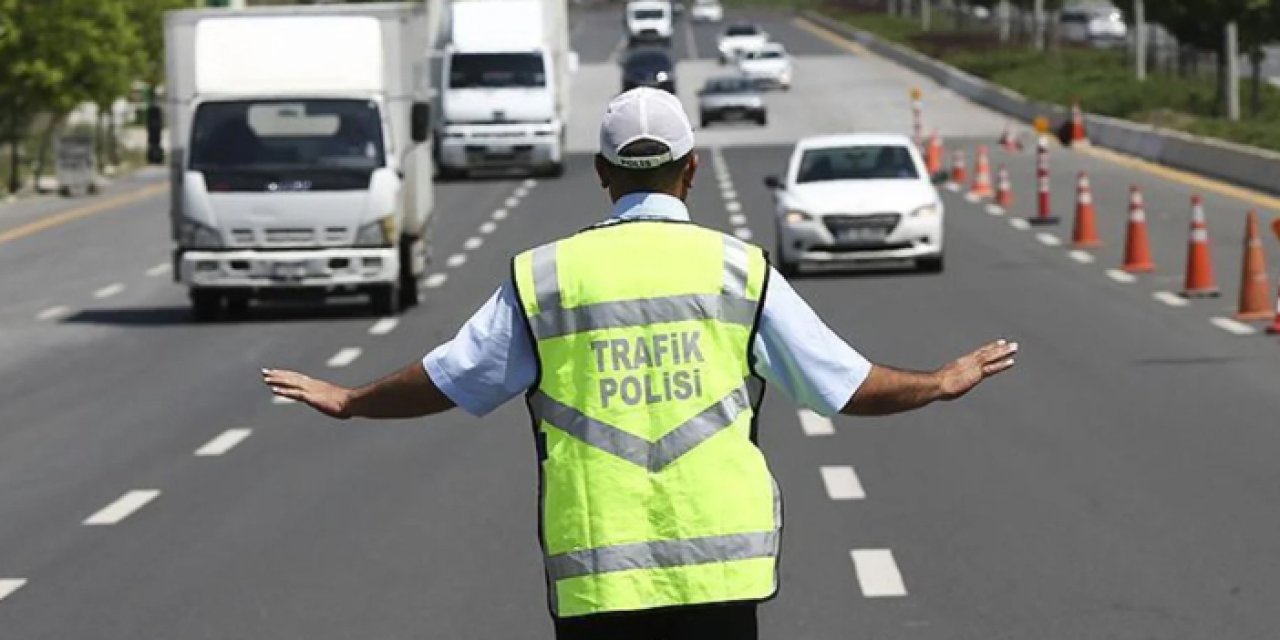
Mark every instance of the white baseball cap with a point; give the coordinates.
(645, 113)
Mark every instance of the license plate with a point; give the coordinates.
(289, 270)
(866, 234)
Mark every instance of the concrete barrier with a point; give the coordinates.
(1240, 164)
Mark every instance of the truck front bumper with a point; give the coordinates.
(340, 269)
(500, 146)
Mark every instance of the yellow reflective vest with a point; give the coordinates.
(653, 491)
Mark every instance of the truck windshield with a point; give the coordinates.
(322, 136)
(648, 14)
(496, 70)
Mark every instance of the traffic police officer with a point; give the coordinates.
(643, 344)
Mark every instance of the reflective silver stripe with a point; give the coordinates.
(653, 456)
(552, 322)
(662, 554)
(735, 267)
(546, 283)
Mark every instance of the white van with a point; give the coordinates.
(649, 21)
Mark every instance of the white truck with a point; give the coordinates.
(299, 164)
(504, 98)
(649, 21)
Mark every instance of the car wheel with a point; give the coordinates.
(385, 300)
(785, 267)
(932, 264)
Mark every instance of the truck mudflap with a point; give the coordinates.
(338, 268)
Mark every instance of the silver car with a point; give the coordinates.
(731, 98)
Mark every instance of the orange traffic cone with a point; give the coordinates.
(981, 186)
(1254, 288)
(1085, 234)
(1004, 189)
(1009, 141)
(1199, 282)
(959, 174)
(1077, 125)
(1137, 246)
(933, 154)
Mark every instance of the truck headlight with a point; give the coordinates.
(193, 235)
(379, 233)
(796, 216)
(929, 210)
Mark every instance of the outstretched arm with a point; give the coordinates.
(407, 393)
(887, 390)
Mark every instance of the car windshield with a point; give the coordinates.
(496, 70)
(287, 135)
(728, 85)
(869, 162)
(741, 30)
(651, 60)
(648, 14)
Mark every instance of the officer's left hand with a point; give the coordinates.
(965, 373)
(327, 398)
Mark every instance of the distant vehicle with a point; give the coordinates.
(768, 66)
(738, 38)
(505, 94)
(649, 67)
(731, 98)
(707, 11)
(299, 166)
(649, 21)
(1098, 25)
(858, 197)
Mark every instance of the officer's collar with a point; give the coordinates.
(649, 205)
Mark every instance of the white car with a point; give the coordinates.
(1098, 25)
(767, 66)
(740, 38)
(649, 21)
(857, 197)
(707, 11)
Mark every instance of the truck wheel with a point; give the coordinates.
(205, 305)
(931, 265)
(385, 300)
(238, 306)
(408, 281)
(555, 170)
(762, 120)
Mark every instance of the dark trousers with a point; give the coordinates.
(730, 621)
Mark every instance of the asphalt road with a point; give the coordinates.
(1120, 483)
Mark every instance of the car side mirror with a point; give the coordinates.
(939, 177)
(772, 182)
(420, 121)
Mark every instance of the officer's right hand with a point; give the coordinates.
(327, 398)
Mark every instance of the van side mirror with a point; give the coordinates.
(420, 122)
(773, 182)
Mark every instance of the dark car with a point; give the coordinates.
(649, 67)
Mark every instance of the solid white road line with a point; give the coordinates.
(1083, 257)
(488, 228)
(1123, 277)
(737, 219)
(384, 326)
(1233, 326)
(1048, 239)
(9, 585)
(500, 214)
(53, 313)
(456, 260)
(282, 400)
(108, 291)
(814, 424)
(732, 206)
(742, 233)
(472, 243)
(158, 270)
(225, 442)
(1019, 224)
(345, 356)
(995, 209)
(842, 483)
(122, 508)
(878, 574)
(436, 279)
(1169, 298)
(691, 44)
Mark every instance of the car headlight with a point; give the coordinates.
(193, 235)
(378, 233)
(927, 210)
(795, 216)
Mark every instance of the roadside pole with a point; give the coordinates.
(1004, 14)
(1140, 40)
(926, 15)
(1232, 89)
(1038, 34)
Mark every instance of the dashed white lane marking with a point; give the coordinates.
(158, 270)
(500, 214)
(995, 209)
(732, 206)
(456, 260)
(282, 400)
(225, 442)
(742, 233)
(10, 585)
(122, 508)
(1233, 326)
(53, 313)
(952, 187)
(108, 291)
(737, 219)
(436, 279)
(878, 574)
(1019, 224)
(530, 183)
(384, 326)
(971, 197)
(488, 228)
(729, 194)
(1048, 239)
(842, 483)
(1123, 277)
(1083, 257)
(512, 202)
(521, 192)
(815, 425)
(472, 243)
(1169, 298)
(345, 356)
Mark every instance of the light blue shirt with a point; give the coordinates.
(491, 360)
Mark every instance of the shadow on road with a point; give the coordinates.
(181, 315)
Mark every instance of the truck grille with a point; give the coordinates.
(294, 236)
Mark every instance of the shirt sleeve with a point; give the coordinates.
(795, 350)
(490, 361)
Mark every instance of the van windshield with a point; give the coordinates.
(294, 136)
(496, 70)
